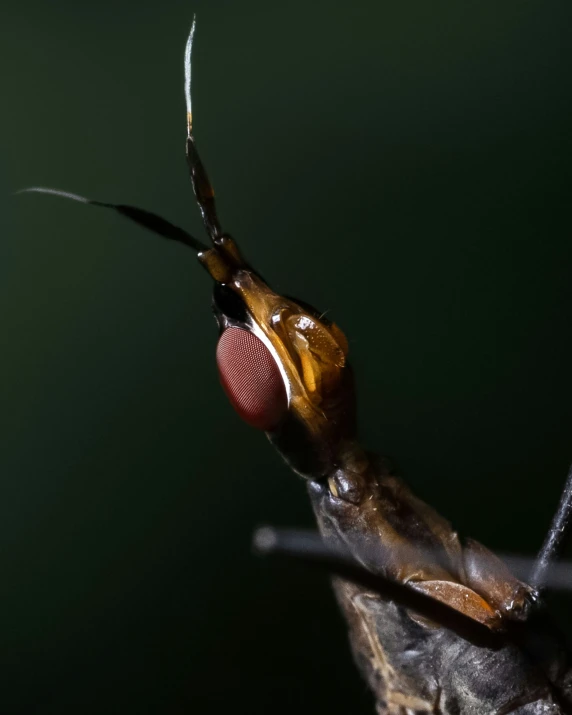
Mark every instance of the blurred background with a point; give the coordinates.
(405, 166)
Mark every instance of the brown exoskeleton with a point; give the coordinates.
(284, 368)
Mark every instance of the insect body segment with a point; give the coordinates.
(310, 356)
(391, 531)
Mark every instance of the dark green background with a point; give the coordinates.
(405, 165)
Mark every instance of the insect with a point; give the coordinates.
(284, 368)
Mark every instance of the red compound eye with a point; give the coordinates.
(251, 378)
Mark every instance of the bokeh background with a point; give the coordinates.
(404, 165)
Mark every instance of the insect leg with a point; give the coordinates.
(556, 537)
(309, 547)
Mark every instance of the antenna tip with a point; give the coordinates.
(55, 192)
(188, 53)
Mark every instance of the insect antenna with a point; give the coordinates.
(204, 192)
(556, 538)
(147, 219)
